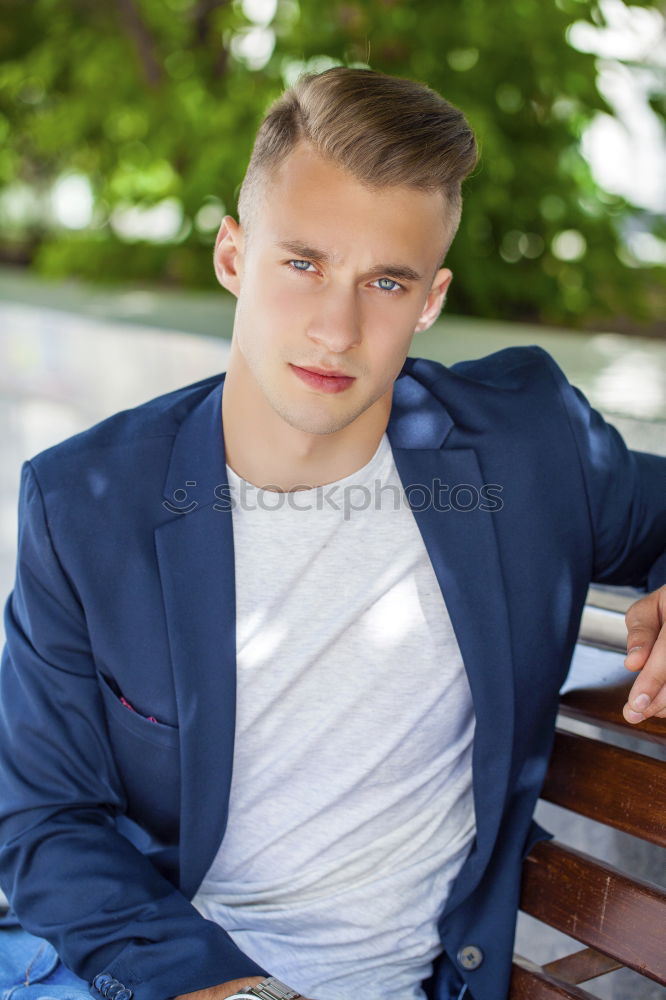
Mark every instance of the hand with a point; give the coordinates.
(646, 651)
(223, 990)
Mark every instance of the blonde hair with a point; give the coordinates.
(385, 130)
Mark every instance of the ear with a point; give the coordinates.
(228, 254)
(435, 300)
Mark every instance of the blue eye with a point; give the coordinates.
(390, 281)
(387, 285)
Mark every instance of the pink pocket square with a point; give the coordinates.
(124, 701)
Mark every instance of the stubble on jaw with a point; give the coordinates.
(324, 421)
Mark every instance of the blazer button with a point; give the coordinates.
(110, 988)
(470, 957)
(102, 980)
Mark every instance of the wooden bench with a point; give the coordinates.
(620, 920)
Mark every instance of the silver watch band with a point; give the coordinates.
(273, 989)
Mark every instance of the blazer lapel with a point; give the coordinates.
(463, 549)
(196, 564)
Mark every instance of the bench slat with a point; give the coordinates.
(529, 982)
(602, 706)
(598, 906)
(582, 966)
(617, 787)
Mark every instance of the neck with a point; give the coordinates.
(263, 449)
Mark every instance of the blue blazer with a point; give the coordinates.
(125, 588)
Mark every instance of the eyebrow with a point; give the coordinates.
(401, 271)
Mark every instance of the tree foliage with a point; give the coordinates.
(154, 100)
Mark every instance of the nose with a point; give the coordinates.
(336, 322)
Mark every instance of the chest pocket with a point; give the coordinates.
(147, 756)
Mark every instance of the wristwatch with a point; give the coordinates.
(269, 989)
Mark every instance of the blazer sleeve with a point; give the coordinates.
(69, 874)
(626, 496)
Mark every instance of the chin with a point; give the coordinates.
(316, 421)
(322, 424)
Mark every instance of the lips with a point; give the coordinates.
(323, 381)
(330, 373)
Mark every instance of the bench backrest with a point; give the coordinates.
(619, 919)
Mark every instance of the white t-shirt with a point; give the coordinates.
(351, 805)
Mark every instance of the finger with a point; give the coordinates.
(637, 655)
(648, 693)
(643, 621)
(657, 707)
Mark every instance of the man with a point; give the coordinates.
(383, 675)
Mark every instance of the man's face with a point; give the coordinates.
(334, 276)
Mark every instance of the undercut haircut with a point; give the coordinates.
(385, 130)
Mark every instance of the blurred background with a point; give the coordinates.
(125, 129)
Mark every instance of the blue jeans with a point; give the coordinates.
(31, 970)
